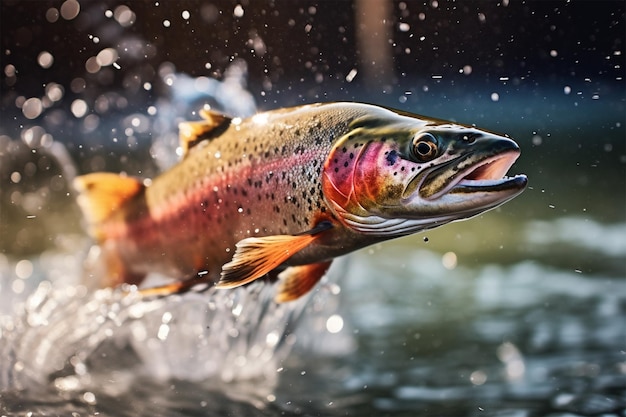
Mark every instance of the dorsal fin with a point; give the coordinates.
(102, 194)
(192, 133)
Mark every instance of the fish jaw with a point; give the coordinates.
(473, 181)
(387, 189)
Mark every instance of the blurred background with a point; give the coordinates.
(519, 311)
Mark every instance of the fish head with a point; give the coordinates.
(394, 179)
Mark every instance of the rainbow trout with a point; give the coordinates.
(283, 193)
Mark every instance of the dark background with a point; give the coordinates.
(306, 63)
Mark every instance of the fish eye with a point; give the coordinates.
(425, 147)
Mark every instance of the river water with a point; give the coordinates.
(518, 312)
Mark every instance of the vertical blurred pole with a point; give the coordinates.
(373, 34)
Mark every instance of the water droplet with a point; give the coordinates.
(70, 9)
(123, 15)
(351, 75)
(334, 324)
(478, 377)
(79, 108)
(449, 260)
(45, 59)
(16, 177)
(52, 15)
(106, 57)
(32, 108)
(24, 269)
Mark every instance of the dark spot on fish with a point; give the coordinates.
(345, 164)
(351, 155)
(392, 157)
(344, 150)
(336, 169)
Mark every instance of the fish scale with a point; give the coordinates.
(284, 192)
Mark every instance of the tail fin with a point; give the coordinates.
(102, 194)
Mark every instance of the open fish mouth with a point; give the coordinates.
(473, 174)
(489, 175)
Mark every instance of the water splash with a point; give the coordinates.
(69, 339)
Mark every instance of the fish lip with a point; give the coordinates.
(486, 174)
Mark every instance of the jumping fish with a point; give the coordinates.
(283, 193)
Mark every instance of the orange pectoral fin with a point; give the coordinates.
(257, 256)
(299, 280)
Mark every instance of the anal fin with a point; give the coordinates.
(177, 287)
(299, 280)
